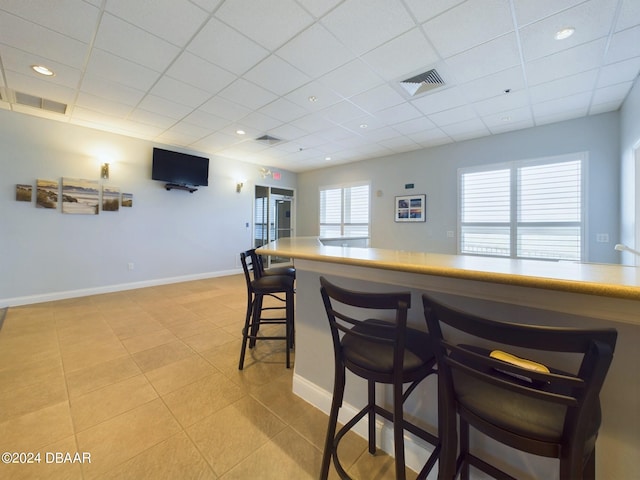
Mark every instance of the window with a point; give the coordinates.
(344, 211)
(530, 209)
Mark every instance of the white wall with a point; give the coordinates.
(433, 171)
(630, 178)
(168, 235)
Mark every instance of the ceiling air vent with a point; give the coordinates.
(268, 139)
(422, 83)
(39, 102)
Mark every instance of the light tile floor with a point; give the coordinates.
(146, 383)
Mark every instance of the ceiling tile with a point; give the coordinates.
(283, 110)
(424, 11)
(149, 118)
(130, 42)
(494, 85)
(73, 18)
(206, 120)
(629, 15)
(318, 9)
(41, 41)
(314, 96)
(505, 119)
(315, 51)
(439, 100)
(501, 103)
(466, 130)
(247, 94)
(175, 21)
(225, 108)
(564, 87)
(402, 57)
(377, 22)
(568, 62)
(117, 92)
(352, 78)
(624, 71)
(179, 92)
(98, 104)
(455, 115)
(276, 75)
(199, 73)
(342, 112)
(378, 98)
(20, 61)
(473, 63)
(106, 65)
(213, 41)
(591, 20)
(624, 45)
(557, 108)
(39, 87)
(529, 11)
(162, 106)
(270, 24)
(469, 24)
(399, 113)
(612, 93)
(412, 126)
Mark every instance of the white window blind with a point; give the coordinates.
(524, 210)
(344, 211)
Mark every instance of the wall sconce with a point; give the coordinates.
(104, 171)
(239, 186)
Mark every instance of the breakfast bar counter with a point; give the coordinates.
(524, 291)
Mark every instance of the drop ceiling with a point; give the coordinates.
(322, 77)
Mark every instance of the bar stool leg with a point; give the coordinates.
(464, 449)
(255, 323)
(371, 389)
(336, 403)
(245, 330)
(398, 431)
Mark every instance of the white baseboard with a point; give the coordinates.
(84, 292)
(416, 450)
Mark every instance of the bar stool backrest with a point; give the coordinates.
(577, 393)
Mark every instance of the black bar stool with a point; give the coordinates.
(525, 404)
(260, 271)
(379, 351)
(258, 288)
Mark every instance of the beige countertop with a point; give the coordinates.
(617, 281)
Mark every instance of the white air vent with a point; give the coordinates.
(268, 139)
(423, 83)
(20, 98)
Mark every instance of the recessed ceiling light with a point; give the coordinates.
(313, 98)
(564, 33)
(240, 132)
(364, 125)
(327, 158)
(42, 70)
(505, 119)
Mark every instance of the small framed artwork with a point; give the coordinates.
(110, 198)
(24, 193)
(411, 208)
(46, 193)
(127, 200)
(80, 196)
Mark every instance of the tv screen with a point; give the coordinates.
(180, 168)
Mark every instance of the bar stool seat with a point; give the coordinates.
(380, 351)
(275, 286)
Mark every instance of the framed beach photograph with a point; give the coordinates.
(110, 198)
(127, 200)
(24, 193)
(80, 196)
(411, 208)
(46, 193)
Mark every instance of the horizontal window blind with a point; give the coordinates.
(531, 210)
(344, 211)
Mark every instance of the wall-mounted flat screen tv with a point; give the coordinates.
(180, 168)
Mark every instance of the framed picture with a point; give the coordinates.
(80, 196)
(24, 193)
(411, 208)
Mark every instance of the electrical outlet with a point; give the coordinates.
(130, 265)
(449, 233)
(602, 237)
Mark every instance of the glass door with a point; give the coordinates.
(273, 217)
